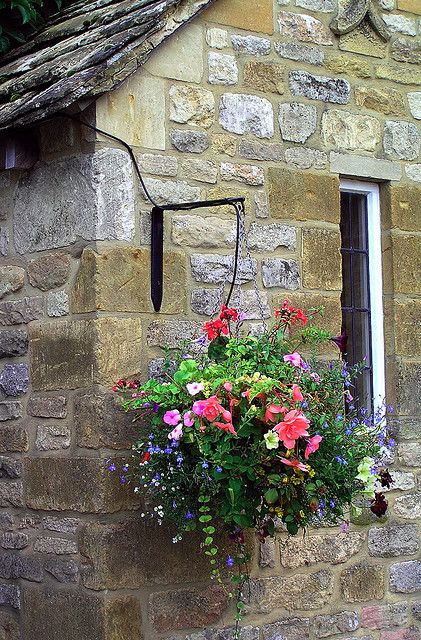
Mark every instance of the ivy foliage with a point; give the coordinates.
(21, 18)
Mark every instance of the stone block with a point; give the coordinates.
(401, 202)
(246, 173)
(251, 45)
(385, 616)
(216, 268)
(400, 24)
(4, 242)
(251, 15)
(59, 546)
(362, 582)
(297, 121)
(406, 50)
(14, 379)
(10, 468)
(164, 191)
(414, 101)
(204, 232)
(408, 506)
(402, 481)
(364, 167)
(217, 38)
(313, 549)
(267, 554)
(363, 40)
(256, 150)
(304, 28)
(409, 454)
(270, 237)
(398, 74)
(192, 105)
(127, 113)
(157, 164)
(47, 407)
(405, 577)
(78, 484)
(343, 64)
(413, 172)
(11, 279)
(9, 626)
(200, 170)
(171, 332)
(63, 570)
(21, 311)
(10, 410)
(408, 400)
(330, 625)
(264, 76)
(62, 525)
(411, 633)
(13, 342)
(100, 421)
(301, 591)
(180, 57)
(189, 141)
(277, 272)
(115, 279)
(70, 354)
(223, 143)
(336, 90)
(253, 303)
(261, 207)
(303, 158)
(49, 271)
(299, 52)
(321, 275)
(92, 197)
(10, 596)
(241, 113)
(52, 437)
(346, 130)
(401, 140)
(13, 439)
(409, 5)
(187, 608)
(393, 540)
(14, 566)
(332, 318)
(14, 540)
(223, 68)
(301, 195)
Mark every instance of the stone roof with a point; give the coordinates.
(84, 51)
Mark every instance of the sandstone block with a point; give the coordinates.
(277, 272)
(409, 5)
(217, 38)
(299, 52)
(49, 271)
(343, 64)
(192, 105)
(180, 57)
(413, 172)
(21, 311)
(269, 237)
(329, 625)
(314, 549)
(47, 407)
(171, 332)
(256, 150)
(363, 40)
(241, 113)
(79, 484)
(246, 173)
(91, 196)
(13, 342)
(222, 68)
(189, 141)
(385, 616)
(197, 231)
(187, 608)
(322, 88)
(363, 166)
(408, 506)
(14, 379)
(264, 76)
(164, 191)
(362, 582)
(414, 101)
(325, 6)
(216, 268)
(408, 400)
(393, 540)
(345, 130)
(63, 570)
(398, 74)
(157, 164)
(224, 143)
(297, 121)
(251, 45)
(401, 204)
(304, 28)
(200, 170)
(251, 15)
(405, 577)
(331, 320)
(401, 140)
(52, 437)
(290, 629)
(11, 279)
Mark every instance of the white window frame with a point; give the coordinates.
(371, 191)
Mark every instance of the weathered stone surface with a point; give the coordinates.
(317, 5)
(410, 454)
(49, 271)
(14, 540)
(364, 166)
(216, 268)
(331, 321)
(414, 101)
(59, 546)
(363, 40)
(9, 627)
(393, 540)
(14, 566)
(261, 207)
(10, 468)
(253, 304)
(411, 633)
(301, 195)
(165, 191)
(52, 437)
(264, 76)
(269, 237)
(14, 439)
(416, 610)
(241, 113)
(198, 231)
(256, 150)
(10, 595)
(14, 379)
(304, 28)
(62, 525)
(408, 506)
(187, 608)
(400, 24)
(346, 130)
(401, 140)
(180, 57)
(78, 484)
(402, 481)
(72, 354)
(62, 570)
(47, 407)
(205, 302)
(10, 411)
(306, 158)
(222, 68)
(384, 617)
(251, 15)
(348, 65)
(333, 549)
(57, 304)
(217, 38)
(224, 143)
(157, 164)
(297, 121)
(408, 400)
(309, 591)
(277, 272)
(6, 522)
(101, 422)
(398, 74)
(299, 52)
(158, 369)
(405, 577)
(4, 242)
(11, 279)
(409, 5)
(91, 196)
(330, 625)
(13, 342)
(383, 100)
(189, 141)
(172, 332)
(288, 629)
(405, 50)
(362, 582)
(21, 311)
(305, 84)
(192, 105)
(246, 173)
(413, 172)
(267, 554)
(251, 44)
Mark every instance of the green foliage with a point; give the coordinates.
(20, 18)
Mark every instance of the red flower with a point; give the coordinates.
(290, 315)
(146, 457)
(379, 505)
(228, 313)
(214, 328)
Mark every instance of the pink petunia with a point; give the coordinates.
(294, 463)
(294, 358)
(188, 419)
(194, 387)
(176, 433)
(227, 386)
(297, 396)
(312, 445)
(172, 417)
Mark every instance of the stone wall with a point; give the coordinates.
(253, 98)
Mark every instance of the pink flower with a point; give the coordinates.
(294, 359)
(297, 396)
(312, 445)
(198, 407)
(294, 463)
(227, 386)
(195, 387)
(272, 410)
(315, 377)
(209, 408)
(188, 419)
(293, 426)
(176, 433)
(344, 527)
(172, 417)
(225, 427)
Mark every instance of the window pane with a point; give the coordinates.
(346, 298)
(359, 272)
(358, 222)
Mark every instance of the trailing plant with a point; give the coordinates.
(251, 433)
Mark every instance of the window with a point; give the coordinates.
(362, 300)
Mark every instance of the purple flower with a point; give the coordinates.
(123, 479)
(344, 527)
(168, 450)
(219, 469)
(189, 515)
(332, 503)
(155, 407)
(125, 467)
(205, 465)
(112, 467)
(230, 561)
(341, 341)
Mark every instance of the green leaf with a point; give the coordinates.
(205, 518)
(292, 528)
(209, 530)
(271, 496)
(208, 541)
(217, 349)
